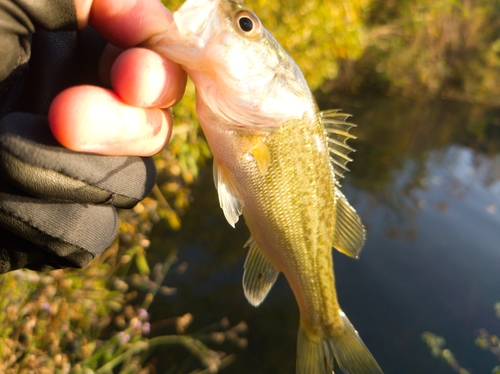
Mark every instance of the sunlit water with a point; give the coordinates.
(426, 183)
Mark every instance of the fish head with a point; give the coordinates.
(239, 69)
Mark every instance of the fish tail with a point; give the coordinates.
(315, 356)
(350, 352)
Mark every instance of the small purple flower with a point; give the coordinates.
(46, 307)
(123, 337)
(146, 328)
(142, 314)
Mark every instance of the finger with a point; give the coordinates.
(94, 119)
(108, 58)
(143, 78)
(124, 23)
(82, 12)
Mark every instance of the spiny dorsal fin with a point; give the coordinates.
(230, 204)
(349, 235)
(337, 130)
(259, 274)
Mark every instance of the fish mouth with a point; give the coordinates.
(198, 20)
(195, 24)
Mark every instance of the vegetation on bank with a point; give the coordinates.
(443, 48)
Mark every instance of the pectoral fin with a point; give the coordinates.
(349, 235)
(229, 202)
(262, 156)
(259, 274)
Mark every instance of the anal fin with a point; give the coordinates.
(259, 274)
(349, 235)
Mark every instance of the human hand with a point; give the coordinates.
(128, 120)
(56, 206)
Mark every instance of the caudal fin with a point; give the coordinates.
(315, 356)
(350, 352)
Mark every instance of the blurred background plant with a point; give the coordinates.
(97, 319)
(444, 48)
(484, 340)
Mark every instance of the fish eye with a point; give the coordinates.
(247, 24)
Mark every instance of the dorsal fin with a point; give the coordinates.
(229, 202)
(337, 130)
(259, 274)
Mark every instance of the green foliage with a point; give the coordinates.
(448, 48)
(484, 340)
(445, 40)
(177, 165)
(45, 318)
(437, 346)
(92, 320)
(317, 34)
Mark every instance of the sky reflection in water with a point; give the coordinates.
(432, 260)
(426, 183)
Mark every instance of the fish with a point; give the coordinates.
(278, 161)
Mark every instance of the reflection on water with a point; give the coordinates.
(426, 182)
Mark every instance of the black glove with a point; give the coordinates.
(56, 206)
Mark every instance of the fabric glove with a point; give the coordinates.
(57, 207)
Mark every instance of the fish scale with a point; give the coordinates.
(277, 161)
(290, 206)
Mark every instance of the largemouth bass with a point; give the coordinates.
(277, 161)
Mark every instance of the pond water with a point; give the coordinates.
(426, 183)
